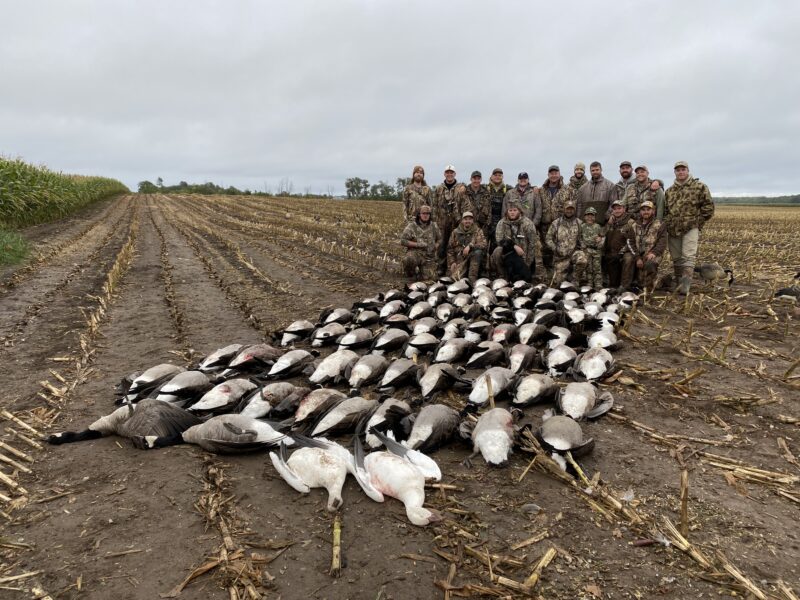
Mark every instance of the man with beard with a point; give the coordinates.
(515, 235)
(564, 241)
(595, 193)
(687, 208)
(497, 192)
(479, 201)
(449, 202)
(465, 249)
(615, 243)
(551, 197)
(641, 190)
(525, 196)
(415, 194)
(646, 240)
(578, 179)
(421, 239)
(626, 179)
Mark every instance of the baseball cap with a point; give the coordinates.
(625, 163)
(569, 203)
(646, 204)
(640, 168)
(580, 166)
(476, 174)
(591, 211)
(553, 168)
(523, 175)
(617, 203)
(497, 170)
(681, 163)
(467, 214)
(450, 168)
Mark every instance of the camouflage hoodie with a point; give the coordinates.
(576, 183)
(638, 193)
(564, 237)
(688, 205)
(522, 232)
(527, 200)
(645, 238)
(461, 238)
(413, 197)
(589, 235)
(448, 204)
(415, 231)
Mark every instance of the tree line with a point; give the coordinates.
(284, 188)
(358, 188)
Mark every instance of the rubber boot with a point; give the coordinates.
(676, 278)
(686, 280)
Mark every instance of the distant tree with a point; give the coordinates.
(160, 182)
(147, 187)
(382, 190)
(401, 184)
(183, 184)
(356, 187)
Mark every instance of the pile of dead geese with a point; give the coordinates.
(388, 372)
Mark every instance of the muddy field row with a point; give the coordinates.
(708, 386)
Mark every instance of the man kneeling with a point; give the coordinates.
(466, 248)
(515, 255)
(421, 239)
(646, 240)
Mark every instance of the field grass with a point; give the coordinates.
(34, 194)
(13, 248)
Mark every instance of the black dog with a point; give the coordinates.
(513, 263)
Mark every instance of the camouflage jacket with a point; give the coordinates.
(589, 235)
(414, 197)
(643, 239)
(497, 195)
(480, 203)
(596, 194)
(449, 204)
(416, 232)
(621, 188)
(638, 193)
(461, 238)
(564, 237)
(553, 206)
(527, 200)
(522, 232)
(576, 183)
(687, 206)
(615, 236)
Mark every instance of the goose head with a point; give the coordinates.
(421, 517)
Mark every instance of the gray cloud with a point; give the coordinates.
(249, 92)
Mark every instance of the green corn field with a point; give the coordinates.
(35, 194)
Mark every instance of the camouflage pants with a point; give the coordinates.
(594, 270)
(446, 227)
(561, 267)
(547, 254)
(418, 260)
(467, 267)
(645, 277)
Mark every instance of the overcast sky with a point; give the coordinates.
(248, 93)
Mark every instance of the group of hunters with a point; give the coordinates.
(603, 233)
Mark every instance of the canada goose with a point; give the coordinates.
(224, 434)
(219, 359)
(493, 437)
(791, 292)
(184, 388)
(521, 357)
(441, 376)
(582, 401)
(419, 344)
(223, 396)
(333, 367)
(252, 359)
(452, 350)
(369, 369)
(399, 372)
(296, 331)
(150, 417)
(150, 380)
(291, 363)
(595, 363)
(502, 382)
(561, 434)
(712, 272)
(434, 425)
(343, 416)
(335, 315)
(559, 359)
(485, 355)
(385, 420)
(356, 338)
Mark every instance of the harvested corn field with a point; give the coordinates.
(692, 490)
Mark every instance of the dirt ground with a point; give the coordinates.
(142, 280)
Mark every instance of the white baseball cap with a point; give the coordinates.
(450, 168)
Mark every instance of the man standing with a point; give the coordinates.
(415, 194)
(466, 248)
(479, 201)
(497, 192)
(687, 208)
(596, 193)
(641, 190)
(551, 197)
(626, 180)
(448, 204)
(645, 245)
(525, 196)
(564, 241)
(421, 239)
(515, 233)
(615, 243)
(578, 178)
